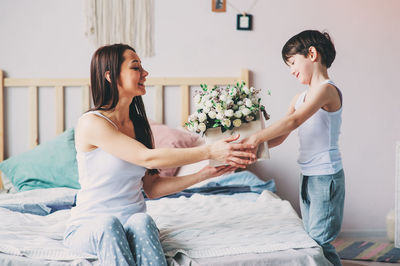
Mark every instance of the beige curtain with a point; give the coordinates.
(121, 21)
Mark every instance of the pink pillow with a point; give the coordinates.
(166, 137)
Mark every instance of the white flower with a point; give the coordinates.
(229, 113)
(219, 116)
(248, 102)
(193, 126)
(226, 122)
(246, 111)
(240, 103)
(214, 93)
(233, 91)
(229, 101)
(219, 108)
(206, 109)
(242, 107)
(209, 103)
(249, 118)
(197, 99)
(252, 89)
(223, 97)
(254, 100)
(238, 114)
(193, 117)
(205, 98)
(202, 127)
(202, 117)
(246, 90)
(237, 123)
(212, 114)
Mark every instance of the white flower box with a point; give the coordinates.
(245, 130)
(224, 111)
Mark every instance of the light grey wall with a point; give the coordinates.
(44, 38)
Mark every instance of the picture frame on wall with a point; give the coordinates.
(244, 22)
(219, 5)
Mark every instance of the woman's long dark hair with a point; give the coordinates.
(105, 93)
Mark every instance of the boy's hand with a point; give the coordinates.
(253, 141)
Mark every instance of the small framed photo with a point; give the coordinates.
(219, 5)
(244, 22)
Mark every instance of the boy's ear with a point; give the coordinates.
(313, 53)
(107, 75)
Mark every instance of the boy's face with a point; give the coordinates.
(301, 68)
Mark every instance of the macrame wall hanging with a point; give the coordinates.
(121, 21)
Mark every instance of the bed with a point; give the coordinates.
(235, 219)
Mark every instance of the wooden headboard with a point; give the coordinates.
(33, 84)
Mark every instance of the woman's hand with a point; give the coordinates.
(235, 154)
(211, 171)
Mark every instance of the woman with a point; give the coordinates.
(114, 152)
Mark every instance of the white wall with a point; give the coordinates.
(44, 38)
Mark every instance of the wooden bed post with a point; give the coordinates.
(1, 121)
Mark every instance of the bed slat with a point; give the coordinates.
(159, 103)
(185, 103)
(85, 98)
(60, 109)
(33, 114)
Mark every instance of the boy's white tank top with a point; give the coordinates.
(109, 186)
(319, 137)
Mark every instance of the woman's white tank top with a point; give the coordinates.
(109, 186)
(319, 137)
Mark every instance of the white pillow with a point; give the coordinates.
(7, 185)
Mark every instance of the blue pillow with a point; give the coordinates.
(51, 164)
(244, 178)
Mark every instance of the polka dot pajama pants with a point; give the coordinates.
(135, 243)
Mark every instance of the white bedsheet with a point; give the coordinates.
(212, 226)
(200, 226)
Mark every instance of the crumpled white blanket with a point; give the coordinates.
(211, 226)
(200, 226)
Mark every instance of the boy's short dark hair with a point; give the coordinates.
(300, 43)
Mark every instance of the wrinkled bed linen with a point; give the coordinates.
(200, 226)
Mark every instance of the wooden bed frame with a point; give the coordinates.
(59, 84)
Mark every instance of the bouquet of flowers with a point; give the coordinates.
(225, 107)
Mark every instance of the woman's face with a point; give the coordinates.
(132, 76)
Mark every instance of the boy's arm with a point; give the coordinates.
(316, 99)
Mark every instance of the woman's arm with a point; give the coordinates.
(279, 140)
(95, 132)
(155, 186)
